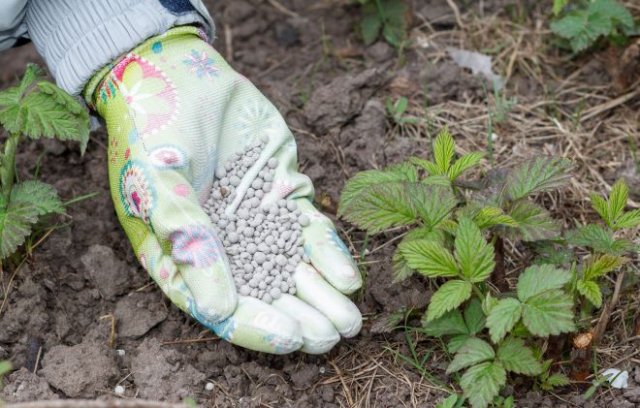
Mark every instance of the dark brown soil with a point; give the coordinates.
(307, 58)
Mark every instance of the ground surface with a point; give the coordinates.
(58, 307)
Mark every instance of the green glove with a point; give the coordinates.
(175, 113)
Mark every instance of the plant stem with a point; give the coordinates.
(8, 169)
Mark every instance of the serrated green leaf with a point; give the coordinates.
(41, 196)
(600, 265)
(630, 219)
(429, 258)
(385, 205)
(393, 12)
(443, 150)
(601, 206)
(456, 342)
(488, 217)
(570, 26)
(534, 222)
(434, 203)
(549, 313)
(482, 383)
(557, 380)
(617, 200)
(473, 352)
(16, 220)
(401, 270)
(488, 303)
(503, 317)
(448, 297)
(537, 175)
(449, 402)
(449, 324)
(474, 255)
(442, 181)
(612, 10)
(425, 233)
(538, 279)
(474, 317)
(365, 179)
(430, 167)
(591, 291)
(599, 239)
(463, 164)
(370, 24)
(518, 358)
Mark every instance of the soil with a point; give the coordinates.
(308, 59)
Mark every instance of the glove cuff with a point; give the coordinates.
(78, 37)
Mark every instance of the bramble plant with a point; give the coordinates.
(587, 21)
(34, 108)
(386, 16)
(454, 232)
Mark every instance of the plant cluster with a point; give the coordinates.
(386, 17)
(585, 22)
(34, 108)
(454, 235)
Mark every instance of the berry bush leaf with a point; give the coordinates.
(435, 203)
(538, 279)
(456, 342)
(443, 150)
(549, 313)
(463, 164)
(473, 352)
(41, 196)
(401, 270)
(591, 291)
(630, 219)
(617, 201)
(488, 217)
(370, 24)
(474, 317)
(599, 239)
(518, 358)
(429, 258)
(537, 175)
(365, 179)
(16, 220)
(503, 317)
(557, 380)
(481, 383)
(475, 257)
(450, 324)
(386, 205)
(601, 265)
(534, 222)
(448, 297)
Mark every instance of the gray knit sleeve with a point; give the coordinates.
(78, 37)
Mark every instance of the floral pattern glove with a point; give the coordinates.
(175, 111)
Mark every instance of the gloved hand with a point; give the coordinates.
(175, 112)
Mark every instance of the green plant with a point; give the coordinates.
(454, 236)
(386, 16)
(396, 111)
(5, 368)
(34, 108)
(587, 21)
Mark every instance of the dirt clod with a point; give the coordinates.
(24, 386)
(83, 370)
(110, 275)
(138, 313)
(155, 365)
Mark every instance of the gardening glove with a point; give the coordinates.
(175, 112)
